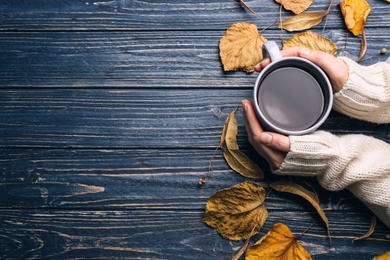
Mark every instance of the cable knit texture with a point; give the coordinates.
(358, 163)
(366, 95)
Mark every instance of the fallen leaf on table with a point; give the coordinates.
(370, 230)
(312, 41)
(304, 193)
(303, 21)
(278, 243)
(241, 47)
(238, 212)
(355, 13)
(296, 6)
(236, 159)
(385, 256)
(363, 47)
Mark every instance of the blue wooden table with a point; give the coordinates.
(110, 112)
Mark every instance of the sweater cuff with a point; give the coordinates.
(366, 94)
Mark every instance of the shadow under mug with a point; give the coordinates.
(292, 95)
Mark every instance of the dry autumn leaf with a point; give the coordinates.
(355, 13)
(236, 159)
(303, 21)
(296, 6)
(241, 47)
(385, 256)
(304, 193)
(363, 47)
(370, 230)
(278, 243)
(312, 41)
(238, 212)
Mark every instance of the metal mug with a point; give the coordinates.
(292, 95)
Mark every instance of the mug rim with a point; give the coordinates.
(327, 104)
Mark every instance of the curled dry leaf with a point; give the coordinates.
(355, 13)
(304, 21)
(385, 256)
(236, 159)
(241, 47)
(363, 47)
(304, 193)
(312, 41)
(296, 6)
(238, 212)
(370, 230)
(278, 243)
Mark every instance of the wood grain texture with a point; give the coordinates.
(110, 112)
(142, 60)
(82, 118)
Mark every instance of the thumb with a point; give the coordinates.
(276, 141)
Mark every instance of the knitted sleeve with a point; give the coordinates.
(358, 163)
(366, 95)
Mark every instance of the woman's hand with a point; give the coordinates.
(335, 68)
(271, 146)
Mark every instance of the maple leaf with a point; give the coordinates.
(296, 6)
(241, 47)
(278, 243)
(238, 212)
(312, 41)
(355, 13)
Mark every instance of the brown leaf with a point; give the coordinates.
(370, 230)
(296, 6)
(241, 47)
(236, 159)
(304, 193)
(355, 13)
(363, 47)
(385, 256)
(312, 41)
(304, 21)
(278, 243)
(236, 211)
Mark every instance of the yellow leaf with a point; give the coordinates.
(307, 195)
(304, 21)
(385, 256)
(355, 13)
(296, 6)
(278, 243)
(241, 47)
(236, 159)
(238, 212)
(312, 41)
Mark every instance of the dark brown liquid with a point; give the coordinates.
(291, 99)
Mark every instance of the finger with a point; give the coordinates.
(251, 121)
(293, 51)
(276, 141)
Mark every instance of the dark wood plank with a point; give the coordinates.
(166, 235)
(82, 118)
(177, 59)
(158, 15)
(133, 179)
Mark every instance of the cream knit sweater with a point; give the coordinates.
(358, 163)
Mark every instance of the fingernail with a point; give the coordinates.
(244, 106)
(266, 138)
(257, 67)
(304, 51)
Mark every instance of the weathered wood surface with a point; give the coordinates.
(110, 112)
